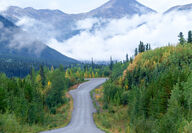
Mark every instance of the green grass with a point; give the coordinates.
(9, 124)
(113, 120)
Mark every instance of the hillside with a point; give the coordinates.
(153, 94)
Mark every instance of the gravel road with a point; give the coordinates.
(82, 119)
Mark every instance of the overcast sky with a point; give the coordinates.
(78, 6)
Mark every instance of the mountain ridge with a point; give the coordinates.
(109, 9)
(180, 8)
(64, 23)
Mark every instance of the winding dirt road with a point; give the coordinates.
(82, 119)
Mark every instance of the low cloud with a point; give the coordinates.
(36, 29)
(22, 40)
(117, 37)
(17, 39)
(86, 23)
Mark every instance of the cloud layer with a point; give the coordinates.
(17, 39)
(117, 37)
(36, 29)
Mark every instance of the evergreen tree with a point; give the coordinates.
(32, 74)
(92, 63)
(190, 37)
(181, 38)
(111, 64)
(141, 47)
(42, 74)
(131, 59)
(136, 52)
(127, 58)
(147, 46)
(61, 68)
(2, 100)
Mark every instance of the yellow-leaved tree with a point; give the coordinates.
(67, 75)
(52, 68)
(39, 84)
(78, 74)
(93, 75)
(96, 75)
(86, 74)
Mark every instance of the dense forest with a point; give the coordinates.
(40, 100)
(153, 94)
(21, 67)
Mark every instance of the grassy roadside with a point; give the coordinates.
(63, 115)
(96, 95)
(114, 120)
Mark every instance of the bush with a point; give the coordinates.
(124, 98)
(105, 123)
(53, 110)
(9, 124)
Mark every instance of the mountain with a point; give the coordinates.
(119, 9)
(111, 9)
(6, 23)
(180, 8)
(55, 20)
(17, 44)
(64, 24)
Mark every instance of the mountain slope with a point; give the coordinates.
(16, 43)
(180, 8)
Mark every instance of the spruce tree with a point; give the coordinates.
(136, 52)
(92, 63)
(190, 37)
(32, 74)
(127, 58)
(42, 74)
(111, 64)
(141, 47)
(181, 38)
(149, 46)
(131, 59)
